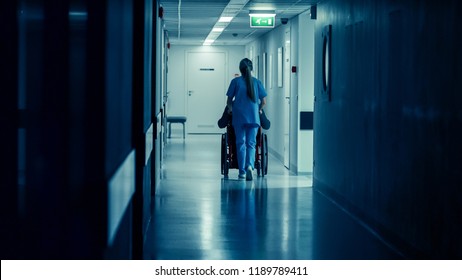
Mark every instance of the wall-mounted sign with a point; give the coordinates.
(257, 21)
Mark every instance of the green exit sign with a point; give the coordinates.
(261, 21)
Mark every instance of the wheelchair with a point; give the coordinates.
(229, 154)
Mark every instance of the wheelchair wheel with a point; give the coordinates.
(224, 157)
(259, 156)
(258, 167)
(264, 155)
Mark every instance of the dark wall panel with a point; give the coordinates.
(119, 58)
(9, 121)
(142, 120)
(148, 43)
(306, 120)
(44, 95)
(387, 143)
(66, 83)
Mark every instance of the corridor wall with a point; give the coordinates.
(387, 139)
(75, 113)
(10, 123)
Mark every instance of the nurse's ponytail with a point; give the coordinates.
(246, 68)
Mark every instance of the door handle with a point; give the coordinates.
(190, 92)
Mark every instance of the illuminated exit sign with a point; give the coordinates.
(261, 21)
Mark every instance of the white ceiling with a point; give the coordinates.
(196, 18)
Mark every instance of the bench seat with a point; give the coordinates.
(176, 119)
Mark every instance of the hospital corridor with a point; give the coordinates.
(111, 147)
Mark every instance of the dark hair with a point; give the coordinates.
(246, 67)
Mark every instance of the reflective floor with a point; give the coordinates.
(197, 214)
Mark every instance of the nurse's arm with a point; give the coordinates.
(262, 103)
(229, 103)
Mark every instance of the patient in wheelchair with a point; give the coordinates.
(226, 118)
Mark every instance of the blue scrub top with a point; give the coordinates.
(244, 110)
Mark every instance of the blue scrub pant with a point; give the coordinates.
(246, 139)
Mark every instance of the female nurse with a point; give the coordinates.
(246, 99)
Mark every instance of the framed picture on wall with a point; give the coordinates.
(263, 76)
(280, 67)
(326, 61)
(270, 72)
(256, 67)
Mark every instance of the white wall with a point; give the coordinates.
(295, 155)
(306, 89)
(176, 77)
(302, 90)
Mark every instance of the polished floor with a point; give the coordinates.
(198, 214)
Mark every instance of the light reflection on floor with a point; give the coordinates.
(198, 214)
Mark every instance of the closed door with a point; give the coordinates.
(206, 91)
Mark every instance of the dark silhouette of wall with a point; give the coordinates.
(9, 122)
(73, 114)
(388, 142)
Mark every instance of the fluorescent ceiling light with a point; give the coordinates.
(231, 10)
(225, 19)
